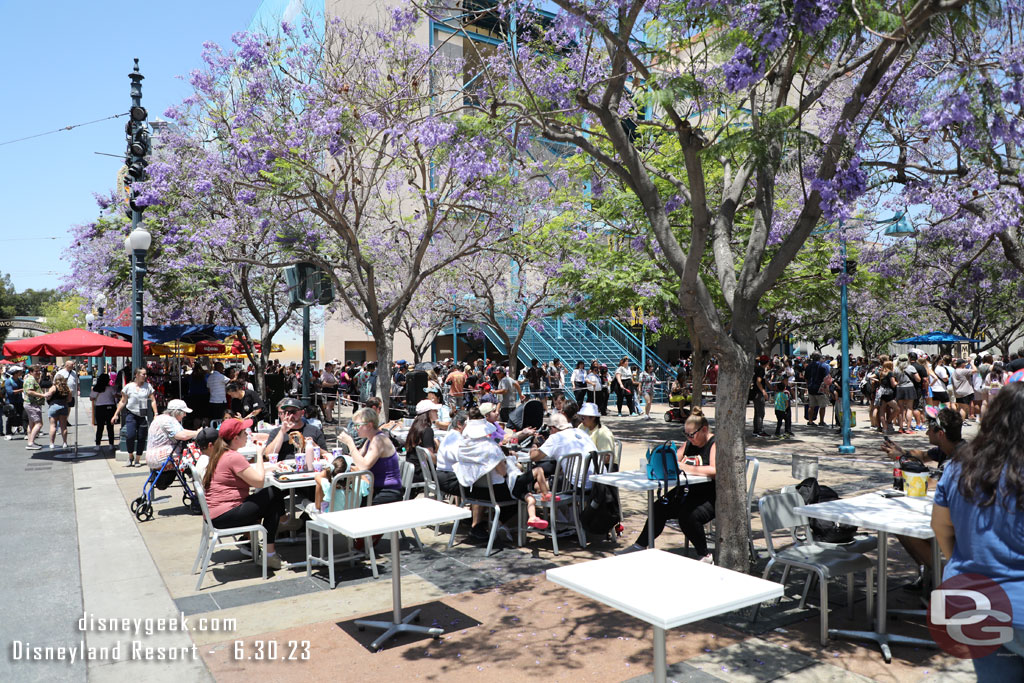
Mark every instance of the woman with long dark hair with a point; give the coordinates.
(978, 519)
(104, 401)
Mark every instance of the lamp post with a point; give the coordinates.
(846, 447)
(137, 244)
(101, 307)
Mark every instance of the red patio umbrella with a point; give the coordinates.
(75, 342)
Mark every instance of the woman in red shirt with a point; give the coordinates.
(227, 480)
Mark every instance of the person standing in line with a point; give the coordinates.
(647, 381)
(605, 393)
(104, 402)
(137, 399)
(70, 376)
(507, 391)
(963, 387)
(978, 520)
(331, 384)
(556, 379)
(782, 399)
(579, 383)
(623, 382)
(14, 395)
(216, 382)
(759, 394)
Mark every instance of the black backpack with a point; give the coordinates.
(830, 532)
(601, 513)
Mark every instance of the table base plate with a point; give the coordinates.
(883, 640)
(392, 628)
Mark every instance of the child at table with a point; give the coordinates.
(324, 492)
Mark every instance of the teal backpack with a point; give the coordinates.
(661, 463)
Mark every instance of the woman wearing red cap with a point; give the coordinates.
(227, 480)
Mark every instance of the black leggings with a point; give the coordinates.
(104, 416)
(621, 395)
(385, 496)
(693, 512)
(783, 417)
(265, 507)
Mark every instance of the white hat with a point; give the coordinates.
(178, 404)
(559, 422)
(486, 408)
(426, 405)
(589, 410)
(476, 429)
(14, 369)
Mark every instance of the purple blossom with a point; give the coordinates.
(812, 16)
(742, 70)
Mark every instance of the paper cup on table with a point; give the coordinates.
(272, 457)
(916, 484)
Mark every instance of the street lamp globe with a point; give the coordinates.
(128, 245)
(140, 239)
(90, 319)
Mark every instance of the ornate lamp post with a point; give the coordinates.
(137, 244)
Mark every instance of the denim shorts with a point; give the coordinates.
(57, 410)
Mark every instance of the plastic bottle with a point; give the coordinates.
(308, 460)
(897, 478)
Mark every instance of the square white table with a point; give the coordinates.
(638, 481)
(657, 599)
(391, 519)
(901, 515)
(290, 487)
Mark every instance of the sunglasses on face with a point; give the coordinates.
(291, 411)
(360, 424)
(690, 435)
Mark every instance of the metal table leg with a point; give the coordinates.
(879, 635)
(398, 624)
(650, 522)
(660, 665)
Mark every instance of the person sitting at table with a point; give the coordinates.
(250, 407)
(421, 432)
(324, 492)
(448, 454)
(564, 440)
(444, 413)
(227, 480)
(205, 440)
(291, 436)
(166, 435)
(598, 433)
(697, 508)
(944, 434)
(489, 411)
(479, 454)
(378, 455)
(978, 519)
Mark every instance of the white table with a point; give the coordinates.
(638, 481)
(903, 515)
(646, 584)
(391, 519)
(290, 487)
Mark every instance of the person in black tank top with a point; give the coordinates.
(697, 507)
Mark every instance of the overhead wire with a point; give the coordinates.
(51, 132)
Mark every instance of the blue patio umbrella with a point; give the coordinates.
(937, 338)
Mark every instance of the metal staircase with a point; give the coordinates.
(571, 340)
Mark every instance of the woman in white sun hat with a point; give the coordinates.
(166, 433)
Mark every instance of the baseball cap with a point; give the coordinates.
(426, 405)
(232, 427)
(401, 362)
(178, 404)
(291, 403)
(486, 408)
(559, 422)
(206, 436)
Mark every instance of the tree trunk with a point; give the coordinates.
(385, 352)
(699, 365)
(731, 514)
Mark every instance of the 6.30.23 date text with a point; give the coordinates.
(271, 650)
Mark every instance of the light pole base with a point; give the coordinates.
(847, 450)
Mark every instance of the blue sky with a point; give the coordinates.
(68, 63)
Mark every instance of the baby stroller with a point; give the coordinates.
(529, 414)
(161, 479)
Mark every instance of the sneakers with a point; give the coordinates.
(53, 446)
(273, 561)
(636, 547)
(708, 559)
(8, 437)
(33, 447)
(505, 535)
(789, 435)
(247, 551)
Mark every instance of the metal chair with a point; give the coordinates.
(347, 489)
(213, 537)
(407, 470)
(778, 514)
(566, 492)
(491, 503)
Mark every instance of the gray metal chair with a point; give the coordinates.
(492, 504)
(566, 494)
(778, 514)
(347, 489)
(407, 470)
(213, 537)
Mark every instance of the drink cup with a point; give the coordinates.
(318, 465)
(916, 484)
(273, 458)
(300, 461)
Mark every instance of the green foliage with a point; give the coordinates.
(65, 313)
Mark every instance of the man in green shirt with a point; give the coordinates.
(33, 406)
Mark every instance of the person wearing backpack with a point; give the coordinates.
(696, 507)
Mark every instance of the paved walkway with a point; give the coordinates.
(501, 618)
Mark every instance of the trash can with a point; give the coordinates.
(85, 385)
(805, 466)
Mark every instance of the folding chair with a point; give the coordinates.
(213, 537)
(347, 497)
